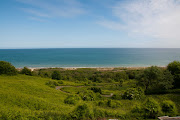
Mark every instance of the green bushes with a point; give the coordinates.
(7, 69)
(52, 83)
(96, 90)
(169, 108)
(71, 99)
(149, 109)
(26, 71)
(133, 93)
(154, 78)
(117, 97)
(82, 112)
(174, 68)
(56, 75)
(109, 103)
(89, 95)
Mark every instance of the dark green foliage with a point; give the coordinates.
(121, 75)
(167, 81)
(117, 97)
(52, 83)
(133, 93)
(71, 99)
(131, 74)
(96, 90)
(120, 82)
(56, 75)
(150, 77)
(154, 78)
(109, 103)
(26, 71)
(151, 108)
(174, 68)
(7, 69)
(169, 108)
(60, 82)
(89, 95)
(82, 112)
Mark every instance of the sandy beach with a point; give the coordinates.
(97, 68)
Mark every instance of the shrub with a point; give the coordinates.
(117, 97)
(89, 95)
(121, 75)
(174, 68)
(60, 82)
(52, 83)
(99, 113)
(71, 99)
(7, 69)
(151, 108)
(133, 93)
(81, 112)
(26, 71)
(96, 90)
(109, 103)
(169, 108)
(56, 75)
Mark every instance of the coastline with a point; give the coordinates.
(97, 68)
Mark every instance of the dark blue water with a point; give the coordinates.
(89, 57)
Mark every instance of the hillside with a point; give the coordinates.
(28, 97)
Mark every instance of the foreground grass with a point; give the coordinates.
(28, 97)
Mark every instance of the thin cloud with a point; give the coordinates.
(159, 19)
(52, 8)
(37, 19)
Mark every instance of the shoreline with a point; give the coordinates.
(98, 68)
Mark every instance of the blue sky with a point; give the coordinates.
(89, 24)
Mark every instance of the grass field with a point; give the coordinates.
(28, 97)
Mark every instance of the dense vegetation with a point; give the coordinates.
(89, 93)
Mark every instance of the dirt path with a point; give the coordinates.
(60, 88)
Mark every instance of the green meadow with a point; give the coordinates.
(83, 94)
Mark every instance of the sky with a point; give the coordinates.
(89, 24)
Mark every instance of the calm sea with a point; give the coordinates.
(89, 57)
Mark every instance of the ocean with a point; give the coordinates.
(90, 57)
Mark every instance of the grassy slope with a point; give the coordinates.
(25, 95)
(28, 97)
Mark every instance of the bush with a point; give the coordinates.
(82, 112)
(60, 82)
(169, 108)
(121, 75)
(89, 95)
(26, 71)
(117, 97)
(109, 103)
(71, 99)
(56, 75)
(52, 83)
(133, 93)
(174, 68)
(96, 90)
(7, 69)
(151, 108)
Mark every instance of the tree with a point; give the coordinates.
(26, 71)
(7, 68)
(174, 68)
(56, 75)
(155, 79)
(167, 81)
(150, 77)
